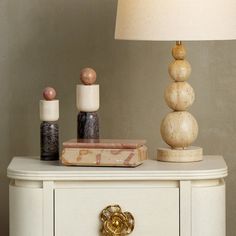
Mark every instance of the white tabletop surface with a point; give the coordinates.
(31, 168)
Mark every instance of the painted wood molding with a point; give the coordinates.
(31, 168)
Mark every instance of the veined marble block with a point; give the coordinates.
(104, 157)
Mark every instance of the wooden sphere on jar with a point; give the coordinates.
(179, 96)
(180, 70)
(179, 129)
(179, 52)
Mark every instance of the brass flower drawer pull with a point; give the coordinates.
(115, 222)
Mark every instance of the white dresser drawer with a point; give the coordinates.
(155, 209)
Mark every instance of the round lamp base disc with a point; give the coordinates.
(189, 154)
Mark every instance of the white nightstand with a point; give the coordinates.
(166, 199)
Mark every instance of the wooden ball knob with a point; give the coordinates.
(179, 52)
(179, 96)
(179, 129)
(49, 93)
(88, 76)
(180, 70)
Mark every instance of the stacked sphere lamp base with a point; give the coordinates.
(179, 129)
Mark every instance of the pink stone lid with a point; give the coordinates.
(104, 143)
(88, 76)
(49, 93)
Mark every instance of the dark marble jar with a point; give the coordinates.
(49, 139)
(87, 125)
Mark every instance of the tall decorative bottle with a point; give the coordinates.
(49, 129)
(87, 101)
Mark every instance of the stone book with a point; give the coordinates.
(104, 156)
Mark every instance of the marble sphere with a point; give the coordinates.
(49, 93)
(180, 70)
(88, 76)
(179, 129)
(179, 96)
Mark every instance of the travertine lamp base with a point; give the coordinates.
(189, 154)
(179, 129)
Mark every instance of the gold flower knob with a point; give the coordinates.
(115, 222)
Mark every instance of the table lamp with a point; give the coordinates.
(177, 20)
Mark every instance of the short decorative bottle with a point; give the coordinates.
(88, 104)
(49, 129)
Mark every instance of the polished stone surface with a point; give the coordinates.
(104, 157)
(88, 76)
(49, 141)
(104, 143)
(87, 125)
(49, 93)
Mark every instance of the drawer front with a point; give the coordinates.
(155, 209)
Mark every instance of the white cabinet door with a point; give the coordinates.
(26, 211)
(155, 209)
(208, 211)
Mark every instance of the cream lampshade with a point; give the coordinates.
(177, 20)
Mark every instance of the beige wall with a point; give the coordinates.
(47, 42)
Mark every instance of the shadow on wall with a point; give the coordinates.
(47, 42)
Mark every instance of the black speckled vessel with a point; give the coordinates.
(87, 125)
(49, 140)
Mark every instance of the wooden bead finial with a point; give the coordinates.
(88, 76)
(49, 93)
